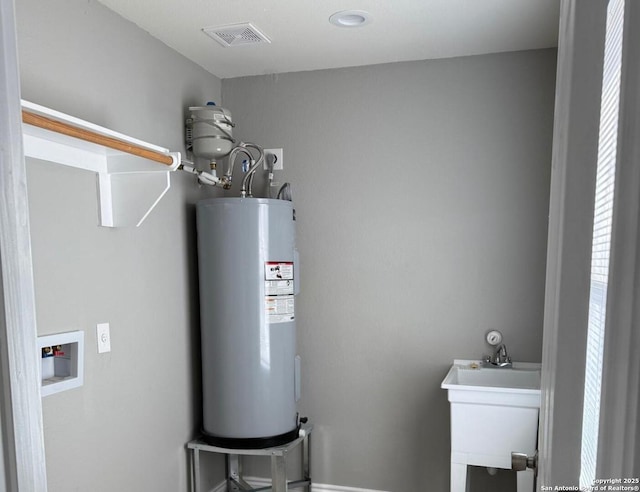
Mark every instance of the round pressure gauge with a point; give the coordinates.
(494, 337)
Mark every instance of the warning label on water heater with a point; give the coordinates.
(278, 270)
(279, 309)
(278, 287)
(278, 291)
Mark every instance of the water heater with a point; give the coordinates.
(247, 268)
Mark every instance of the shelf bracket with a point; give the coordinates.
(132, 175)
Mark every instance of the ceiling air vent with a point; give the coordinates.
(236, 35)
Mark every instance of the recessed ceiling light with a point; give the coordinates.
(350, 18)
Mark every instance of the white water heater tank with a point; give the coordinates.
(250, 379)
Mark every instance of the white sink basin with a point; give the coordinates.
(473, 376)
(494, 411)
(468, 382)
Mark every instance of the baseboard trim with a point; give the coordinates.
(323, 487)
(315, 487)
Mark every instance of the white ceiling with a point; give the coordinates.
(303, 39)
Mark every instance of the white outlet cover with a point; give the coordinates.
(103, 337)
(278, 165)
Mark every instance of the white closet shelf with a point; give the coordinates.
(132, 175)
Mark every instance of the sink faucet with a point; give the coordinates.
(500, 358)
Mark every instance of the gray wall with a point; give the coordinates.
(126, 428)
(421, 192)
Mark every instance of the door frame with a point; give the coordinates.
(574, 163)
(23, 465)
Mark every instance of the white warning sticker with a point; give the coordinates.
(278, 291)
(278, 287)
(279, 309)
(278, 270)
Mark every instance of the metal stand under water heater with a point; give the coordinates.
(248, 282)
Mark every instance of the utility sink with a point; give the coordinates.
(494, 411)
(499, 378)
(469, 381)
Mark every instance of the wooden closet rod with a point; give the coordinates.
(96, 138)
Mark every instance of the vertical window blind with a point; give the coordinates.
(604, 196)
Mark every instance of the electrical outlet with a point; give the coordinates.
(277, 166)
(104, 338)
